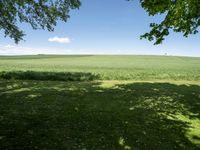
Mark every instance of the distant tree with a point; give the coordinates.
(40, 14)
(180, 16)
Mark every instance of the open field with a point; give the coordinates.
(100, 102)
(110, 67)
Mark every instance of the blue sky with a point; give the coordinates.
(101, 27)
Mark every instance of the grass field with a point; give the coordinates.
(100, 102)
(110, 67)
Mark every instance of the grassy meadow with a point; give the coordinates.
(99, 102)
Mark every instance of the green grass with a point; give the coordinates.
(110, 67)
(99, 102)
(99, 115)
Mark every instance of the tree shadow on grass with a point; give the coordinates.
(87, 115)
(48, 76)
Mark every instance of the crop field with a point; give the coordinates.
(99, 102)
(110, 67)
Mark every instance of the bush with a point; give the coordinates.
(51, 76)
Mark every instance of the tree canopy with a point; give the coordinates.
(180, 16)
(40, 14)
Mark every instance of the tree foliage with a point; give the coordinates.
(40, 14)
(180, 16)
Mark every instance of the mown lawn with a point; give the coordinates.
(99, 115)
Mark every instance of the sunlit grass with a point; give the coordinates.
(109, 67)
(193, 130)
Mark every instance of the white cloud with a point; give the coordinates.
(59, 40)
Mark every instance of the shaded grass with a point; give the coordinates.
(99, 115)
